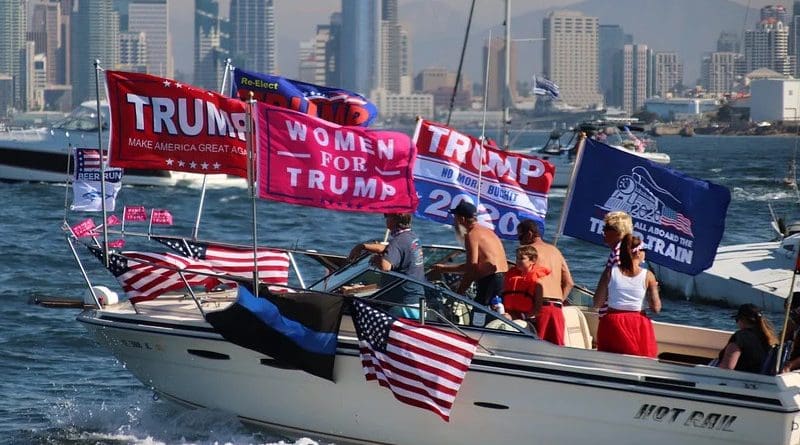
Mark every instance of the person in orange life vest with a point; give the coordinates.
(625, 328)
(553, 289)
(519, 287)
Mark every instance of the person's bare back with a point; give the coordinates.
(559, 282)
(485, 251)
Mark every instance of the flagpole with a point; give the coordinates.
(789, 299)
(483, 124)
(205, 176)
(251, 173)
(66, 189)
(102, 156)
(571, 186)
(460, 64)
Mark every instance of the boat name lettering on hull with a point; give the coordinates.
(681, 416)
(140, 345)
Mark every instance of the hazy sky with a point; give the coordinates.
(297, 21)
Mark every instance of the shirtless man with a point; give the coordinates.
(486, 258)
(552, 289)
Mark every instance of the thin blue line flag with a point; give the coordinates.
(299, 329)
(542, 87)
(680, 219)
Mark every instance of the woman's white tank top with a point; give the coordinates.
(626, 293)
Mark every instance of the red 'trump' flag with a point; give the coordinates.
(273, 265)
(161, 216)
(162, 124)
(421, 365)
(146, 275)
(84, 228)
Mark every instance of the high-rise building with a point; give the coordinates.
(332, 61)
(776, 12)
(668, 73)
(494, 55)
(635, 73)
(64, 55)
(152, 18)
(94, 36)
(794, 36)
(312, 56)
(46, 21)
(253, 35)
(571, 56)
(719, 71)
(359, 48)
(133, 52)
(440, 82)
(38, 79)
(612, 40)
(768, 47)
(391, 47)
(211, 44)
(13, 27)
(728, 42)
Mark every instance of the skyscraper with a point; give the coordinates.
(612, 40)
(95, 29)
(391, 49)
(311, 66)
(332, 60)
(494, 53)
(152, 18)
(768, 47)
(360, 46)
(211, 42)
(668, 73)
(253, 35)
(636, 64)
(719, 71)
(570, 56)
(12, 46)
(46, 20)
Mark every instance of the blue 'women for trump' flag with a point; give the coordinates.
(335, 105)
(299, 329)
(680, 219)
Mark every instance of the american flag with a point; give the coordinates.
(671, 218)
(422, 366)
(273, 265)
(87, 159)
(146, 275)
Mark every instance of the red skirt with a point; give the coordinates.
(550, 324)
(627, 332)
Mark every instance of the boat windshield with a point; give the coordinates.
(83, 118)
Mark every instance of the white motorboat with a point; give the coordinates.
(758, 273)
(518, 389)
(563, 155)
(42, 154)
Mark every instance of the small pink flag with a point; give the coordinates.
(134, 213)
(117, 244)
(113, 220)
(161, 217)
(84, 228)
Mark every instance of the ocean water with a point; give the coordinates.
(59, 387)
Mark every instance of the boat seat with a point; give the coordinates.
(576, 329)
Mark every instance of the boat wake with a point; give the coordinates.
(765, 195)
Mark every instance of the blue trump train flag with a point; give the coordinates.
(335, 105)
(298, 329)
(680, 219)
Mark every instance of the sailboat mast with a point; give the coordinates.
(507, 97)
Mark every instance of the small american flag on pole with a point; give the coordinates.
(421, 365)
(273, 265)
(146, 275)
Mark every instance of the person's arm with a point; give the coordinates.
(356, 251)
(730, 357)
(791, 365)
(381, 262)
(566, 279)
(601, 291)
(652, 293)
(470, 267)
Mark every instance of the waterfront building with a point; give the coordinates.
(359, 46)
(721, 72)
(636, 76)
(94, 36)
(133, 52)
(13, 27)
(253, 35)
(612, 40)
(570, 56)
(152, 18)
(211, 44)
(393, 105)
(775, 100)
(494, 55)
(668, 74)
(768, 47)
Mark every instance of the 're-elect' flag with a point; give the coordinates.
(273, 265)
(163, 124)
(680, 219)
(312, 162)
(332, 104)
(421, 365)
(147, 275)
(452, 167)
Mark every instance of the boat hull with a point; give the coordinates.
(547, 395)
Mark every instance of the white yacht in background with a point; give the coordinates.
(43, 154)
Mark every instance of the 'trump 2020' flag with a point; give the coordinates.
(512, 186)
(309, 161)
(421, 365)
(679, 218)
(335, 105)
(146, 275)
(162, 124)
(87, 184)
(273, 265)
(299, 329)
